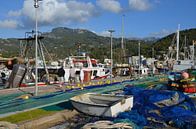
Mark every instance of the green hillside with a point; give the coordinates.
(62, 42)
(161, 46)
(66, 42)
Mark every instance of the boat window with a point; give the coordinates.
(106, 72)
(85, 64)
(94, 65)
(77, 72)
(95, 73)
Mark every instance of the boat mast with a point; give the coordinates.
(185, 48)
(193, 56)
(152, 52)
(177, 44)
(122, 40)
(139, 58)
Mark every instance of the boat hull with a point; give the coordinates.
(102, 105)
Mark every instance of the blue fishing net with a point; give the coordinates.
(136, 119)
(159, 109)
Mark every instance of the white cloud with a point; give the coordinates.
(140, 5)
(162, 33)
(104, 33)
(54, 12)
(12, 24)
(14, 13)
(110, 5)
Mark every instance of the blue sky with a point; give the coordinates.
(143, 18)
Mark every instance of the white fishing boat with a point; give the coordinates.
(184, 58)
(104, 105)
(92, 70)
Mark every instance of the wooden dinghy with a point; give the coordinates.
(104, 105)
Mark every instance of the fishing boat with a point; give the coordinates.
(90, 66)
(92, 70)
(103, 105)
(184, 58)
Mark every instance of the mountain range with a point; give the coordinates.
(62, 42)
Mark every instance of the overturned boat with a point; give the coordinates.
(104, 105)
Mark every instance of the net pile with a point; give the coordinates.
(107, 125)
(159, 109)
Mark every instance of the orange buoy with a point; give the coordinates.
(185, 75)
(9, 62)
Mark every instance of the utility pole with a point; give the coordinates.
(111, 31)
(36, 6)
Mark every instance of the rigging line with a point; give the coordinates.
(44, 47)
